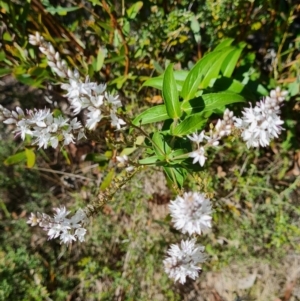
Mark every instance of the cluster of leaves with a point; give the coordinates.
(187, 107)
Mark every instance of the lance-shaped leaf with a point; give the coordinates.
(190, 125)
(151, 160)
(16, 158)
(134, 9)
(232, 85)
(30, 156)
(170, 94)
(231, 60)
(176, 174)
(210, 102)
(160, 144)
(157, 82)
(196, 75)
(224, 43)
(215, 67)
(154, 114)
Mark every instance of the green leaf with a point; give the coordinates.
(196, 75)
(176, 174)
(231, 60)
(115, 59)
(30, 156)
(154, 114)
(106, 26)
(16, 158)
(62, 11)
(233, 85)
(107, 180)
(100, 59)
(120, 81)
(215, 67)
(191, 124)
(211, 101)
(224, 43)
(170, 94)
(4, 6)
(95, 2)
(195, 26)
(215, 100)
(95, 157)
(28, 80)
(150, 160)
(134, 9)
(6, 36)
(157, 82)
(157, 66)
(4, 71)
(37, 71)
(2, 56)
(66, 156)
(160, 144)
(182, 153)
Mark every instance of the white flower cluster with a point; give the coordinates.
(67, 229)
(191, 213)
(42, 126)
(82, 95)
(183, 260)
(58, 65)
(262, 123)
(91, 96)
(221, 129)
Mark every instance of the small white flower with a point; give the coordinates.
(115, 121)
(35, 40)
(100, 89)
(79, 217)
(23, 128)
(122, 159)
(198, 156)
(10, 121)
(75, 124)
(183, 260)
(74, 88)
(93, 117)
(129, 168)
(68, 137)
(114, 101)
(66, 237)
(54, 142)
(38, 117)
(191, 213)
(198, 138)
(61, 214)
(123, 162)
(278, 94)
(97, 101)
(42, 137)
(81, 134)
(60, 121)
(33, 220)
(56, 229)
(80, 233)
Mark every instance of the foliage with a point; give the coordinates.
(200, 57)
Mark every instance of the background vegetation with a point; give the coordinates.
(255, 192)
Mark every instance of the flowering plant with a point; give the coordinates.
(179, 146)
